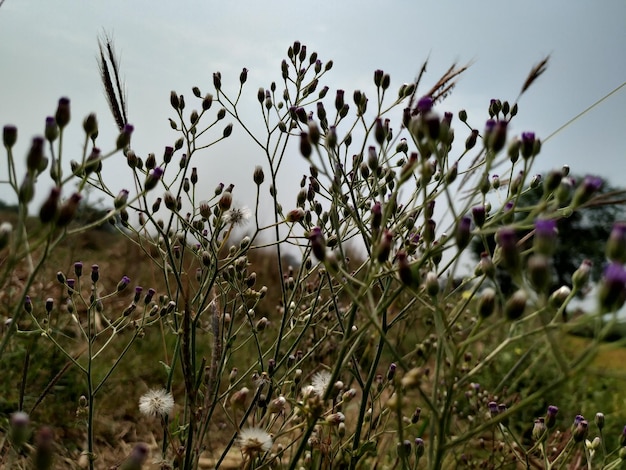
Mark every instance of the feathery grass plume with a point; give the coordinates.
(534, 74)
(446, 83)
(114, 91)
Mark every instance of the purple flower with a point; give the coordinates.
(586, 189)
(551, 416)
(95, 273)
(123, 283)
(149, 296)
(424, 104)
(593, 183)
(138, 291)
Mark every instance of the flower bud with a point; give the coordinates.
(432, 284)
(27, 189)
(174, 101)
(544, 241)
(51, 130)
(479, 215)
(470, 142)
(123, 284)
(580, 431)
(419, 447)
(616, 244)
(612, 290)
(305, 145)
(318, 244)
(487, 302)
(404, 269)
(43, 456)
(540, 431)
(485, 266)
(515, 306)
(551, 416)
(514, 149)
(243, 76)
(258, 175)
(19, 429)
(295, 215)
(68, 210)
(217, 80)
(463, 234)
(552, 181)
(539, 272)
(599, 420)
(509, 253)
(586, 189)
(123, 140)
(35, 156)
(50, 207)
(559, 296)
(90, 125)
(581, 275)
(228, 130)
(527, 147)
(339, 100)
(207, 102)
(452, 173)
(153, 178)
(225, 201)
(62, 115)
(428, 232)
(384, 247)
(9, 136)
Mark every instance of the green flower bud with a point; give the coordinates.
(515, 306)
(616, 244)
(90, 125)
(487, 302)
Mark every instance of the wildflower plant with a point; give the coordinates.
(375, 347)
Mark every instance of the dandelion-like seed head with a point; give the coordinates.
(320, 383)
(155, 403)
(253, 441)
(237, 216)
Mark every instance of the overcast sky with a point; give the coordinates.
(48, 49)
